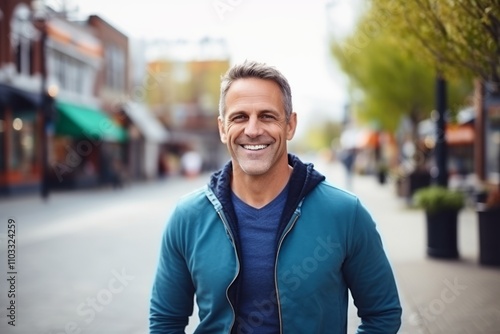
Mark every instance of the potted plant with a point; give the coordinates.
(489, 228)
(441, 206)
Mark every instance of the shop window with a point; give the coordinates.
(22, 142)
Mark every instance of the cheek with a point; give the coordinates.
(232, 131)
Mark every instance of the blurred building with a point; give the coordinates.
(20, 100)
(139, 157)
(460, 145)
(183, 91)
(487, 126)
(66, 103)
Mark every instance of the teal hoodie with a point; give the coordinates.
(327, 245)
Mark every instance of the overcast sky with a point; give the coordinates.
(291, 35)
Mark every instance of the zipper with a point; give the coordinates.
(293, 220)
(231, 237)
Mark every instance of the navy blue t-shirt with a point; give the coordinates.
(257, 311)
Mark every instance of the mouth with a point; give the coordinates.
(254, 147)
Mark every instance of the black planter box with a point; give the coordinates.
(442, 234)
(489, 237)
(381, 177)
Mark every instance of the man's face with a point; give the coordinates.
(254, 126)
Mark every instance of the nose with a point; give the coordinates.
(253, 127)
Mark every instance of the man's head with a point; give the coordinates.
(256, 118)
(252, 69)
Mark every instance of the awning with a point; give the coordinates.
(455, 134)
(83, 122)
(147, 124)
(18, 98)
(460, 134)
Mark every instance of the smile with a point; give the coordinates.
(254, 147)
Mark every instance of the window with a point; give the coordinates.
(69, 73)
(22, 35)
(22, 142)
(115, 68)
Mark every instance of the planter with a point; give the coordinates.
(381, 177)
(442, 234)
(489, 237)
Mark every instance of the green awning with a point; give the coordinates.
(82, 122)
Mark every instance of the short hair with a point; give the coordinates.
(253, 69)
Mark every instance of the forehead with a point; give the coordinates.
(254, 91)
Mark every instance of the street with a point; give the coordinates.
(85, 260)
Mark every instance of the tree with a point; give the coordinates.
(392, 81)
(458, 37)
(387, 81)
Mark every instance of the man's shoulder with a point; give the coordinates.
(193, 198)
(193, 203)
(331, 192)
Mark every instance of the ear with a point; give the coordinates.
(222, 130)
(291, 126)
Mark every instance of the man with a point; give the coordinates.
(268, 246)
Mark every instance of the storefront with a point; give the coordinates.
(147, 136)
(20, 141)
(87, 148)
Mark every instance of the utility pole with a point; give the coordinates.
(46, 105)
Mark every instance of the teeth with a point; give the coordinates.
(254, 147)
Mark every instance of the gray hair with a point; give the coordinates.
(252, 69)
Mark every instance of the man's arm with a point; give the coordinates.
(370, 278)
(173, 290)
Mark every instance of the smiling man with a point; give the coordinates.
(269, 246)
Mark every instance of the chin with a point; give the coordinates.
(254, 168)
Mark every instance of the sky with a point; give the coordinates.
(290, 35)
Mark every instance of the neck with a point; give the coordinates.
(259, 190)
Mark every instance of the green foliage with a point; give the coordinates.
(320, 136)
(435, 199)
(388, 81)
(459, 37)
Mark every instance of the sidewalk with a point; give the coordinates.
(438, 296)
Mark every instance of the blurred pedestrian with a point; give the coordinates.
(347, 157)
(268, 246)
(191, 163)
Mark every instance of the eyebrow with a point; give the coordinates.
(263, 111)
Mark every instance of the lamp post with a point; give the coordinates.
(46, 99)
(441, 148)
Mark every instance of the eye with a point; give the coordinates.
(238, 118)
(268, 117)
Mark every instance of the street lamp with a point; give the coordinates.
(40, 15)
(441, 149)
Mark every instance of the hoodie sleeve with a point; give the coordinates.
(370, 278)
(173, 291)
